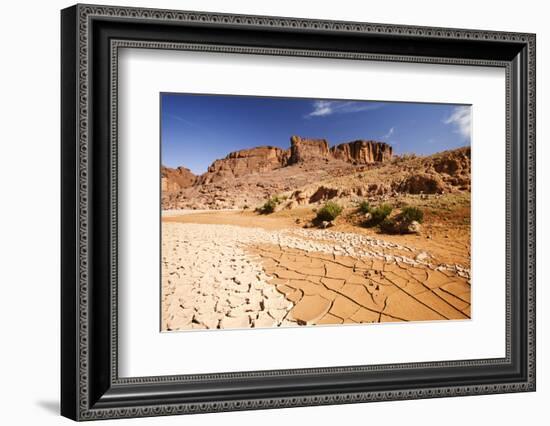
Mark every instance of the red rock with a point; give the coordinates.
(303, 149)
(362, 152)
(244, 178)
(176, 179)
(425, 183)
(246, 161)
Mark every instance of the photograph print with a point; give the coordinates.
(291, 212)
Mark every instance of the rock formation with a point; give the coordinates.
(246, 179)
(355, 152)
(246, 161)
(303, 149)
(443, 172)
(422, 183)
(176, 179)
(362, 152)
(455, 167)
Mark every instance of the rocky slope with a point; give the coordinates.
(363, 152)
(246, 161)
(173, 180)
(262, 159)
(249, 190)
(307, 150)
(312, 172)
(440, 173)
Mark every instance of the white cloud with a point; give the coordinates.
(461, 118)
(321, 108)
(324, 108)
(389, 134)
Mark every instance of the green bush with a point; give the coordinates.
(388, 226)
(380, 213)
(328, 212)
(364, 207)
(409, 214)
(269, 206)
(402, 223)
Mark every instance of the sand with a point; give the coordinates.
(222, 270)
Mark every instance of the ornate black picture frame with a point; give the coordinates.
(91, 37)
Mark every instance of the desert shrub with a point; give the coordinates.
(406, 222)
(380, 213)
(246, 207)
(329, 211)
(409, 214)
(388, 226)
(269, 206)
(364, 207)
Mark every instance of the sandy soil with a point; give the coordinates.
(446, 242)
(237, 269)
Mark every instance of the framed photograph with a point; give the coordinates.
(263, 212)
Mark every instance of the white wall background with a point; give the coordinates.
(29, 213)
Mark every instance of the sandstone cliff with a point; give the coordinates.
(440, 173)
(303, 149)
(362, 152)
(246, 161)
(246, 176)
(351, 177)
(176, 179)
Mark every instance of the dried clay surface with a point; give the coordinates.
(220, 276)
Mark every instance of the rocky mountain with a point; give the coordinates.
(363, 152)
(310, 171)
(266, 158)
(440, 173)
(246, 161)
(176, 179)
(303, 149)
(355, 152)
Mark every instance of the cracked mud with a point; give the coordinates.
(217, 276)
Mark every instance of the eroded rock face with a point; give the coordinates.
(246, 161)
(304, 149)
(454, 168)
(176, 179)
(324, 193)
(454, 163)
(244, 178)
(423, 183)
(355, 152)
(362, 152)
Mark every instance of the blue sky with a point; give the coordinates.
(198, 129)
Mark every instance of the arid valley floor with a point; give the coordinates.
(226, 270)
(226, 265)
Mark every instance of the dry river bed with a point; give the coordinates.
(217, 276)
